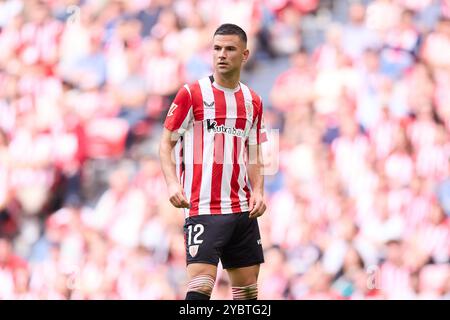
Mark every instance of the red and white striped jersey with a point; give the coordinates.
(213, 126)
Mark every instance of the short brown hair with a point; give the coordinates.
(229, 28)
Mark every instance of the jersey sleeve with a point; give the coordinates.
(258, 132)
(180, 112)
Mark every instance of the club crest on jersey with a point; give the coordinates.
(193, 250)
(249, 110)
(208, 105)
(173, 106)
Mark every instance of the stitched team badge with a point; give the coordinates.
(249, 110)
(193, 250)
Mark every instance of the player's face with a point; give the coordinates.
(229, 53)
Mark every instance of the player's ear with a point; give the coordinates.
(246, 53)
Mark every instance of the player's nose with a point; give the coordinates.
(222, 54)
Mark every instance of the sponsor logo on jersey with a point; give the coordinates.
(212, 126)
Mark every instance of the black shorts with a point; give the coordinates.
(232, 238)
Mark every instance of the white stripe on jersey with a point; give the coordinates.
(208, 148)
(243, 169)
(188, 90)
(188, 156)
(227, 172)
(186, 129)
(176, 151)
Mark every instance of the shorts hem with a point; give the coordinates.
(227, 212)
(243, 265)
(202, 261)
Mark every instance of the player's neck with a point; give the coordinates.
(229, 82)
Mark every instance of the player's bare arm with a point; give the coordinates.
(176, 193)
(257, 204)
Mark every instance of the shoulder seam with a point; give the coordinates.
(188, 90)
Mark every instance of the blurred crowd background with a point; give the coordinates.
(360, 94)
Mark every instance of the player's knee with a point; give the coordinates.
(249, 292)
(202, 284)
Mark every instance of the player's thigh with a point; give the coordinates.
(205, 236)
(241, 277)
(244, 248)
(197, 269)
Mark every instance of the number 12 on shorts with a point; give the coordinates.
(198, 231)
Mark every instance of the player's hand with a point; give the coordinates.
(177, 197)
(257, 205)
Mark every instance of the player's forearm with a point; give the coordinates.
(167, 164)
(255, 170)
(256, 178)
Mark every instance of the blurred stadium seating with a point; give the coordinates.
(359, 91)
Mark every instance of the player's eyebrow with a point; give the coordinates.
(229, 47)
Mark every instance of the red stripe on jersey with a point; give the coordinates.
(241, 112)
(256, 105)
(197, 102)
(255, 102)
(234, 196)
(219, 144)
(246, 189)
(181, 166)
(178, 110)
(237, 145)
(198, 149)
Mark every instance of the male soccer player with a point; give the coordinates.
(216, 127)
